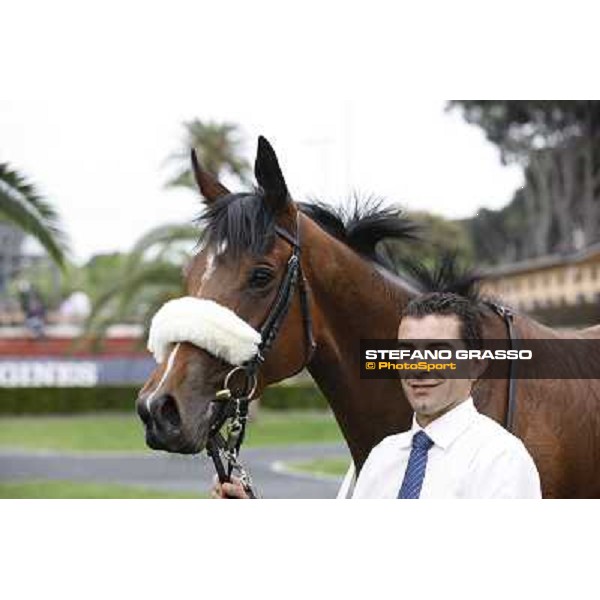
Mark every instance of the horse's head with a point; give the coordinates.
(233, 283)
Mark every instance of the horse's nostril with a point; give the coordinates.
(143, 412)
(167, 413)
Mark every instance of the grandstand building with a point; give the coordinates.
(559, 290)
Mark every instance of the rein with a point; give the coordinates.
(507, 315)
(230, 406)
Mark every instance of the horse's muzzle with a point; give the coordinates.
(164, 427)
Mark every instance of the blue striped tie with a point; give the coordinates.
(415, 470)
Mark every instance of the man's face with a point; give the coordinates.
(432, 394)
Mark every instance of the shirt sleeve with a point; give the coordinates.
(510, 473)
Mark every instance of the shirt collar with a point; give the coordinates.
(445, 429)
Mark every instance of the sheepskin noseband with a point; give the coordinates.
(205, 324)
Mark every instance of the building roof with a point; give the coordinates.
(542, 262)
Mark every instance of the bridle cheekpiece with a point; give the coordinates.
(230, 406)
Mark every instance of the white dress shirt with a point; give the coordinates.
(472, 457)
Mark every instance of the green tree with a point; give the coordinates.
(145, 278)
(557, 144)
(218, 146)
(520, 127)
(23, 206)
(150, 274)
(438, 236)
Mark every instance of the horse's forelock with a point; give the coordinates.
(240, 223)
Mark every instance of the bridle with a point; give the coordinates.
(230, 406)
(508, 315)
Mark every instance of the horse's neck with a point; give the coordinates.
(355, 301)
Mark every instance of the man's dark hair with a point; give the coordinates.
(447, 303)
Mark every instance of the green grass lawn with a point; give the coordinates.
(124, 432)
(75, 489)
(322, 466)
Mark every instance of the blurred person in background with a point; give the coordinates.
(33, 308)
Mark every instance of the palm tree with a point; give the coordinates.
(23, 206)
(150, 275)
(218, 146)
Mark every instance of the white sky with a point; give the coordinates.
(93, 96)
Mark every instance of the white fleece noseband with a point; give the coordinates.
(205, 324)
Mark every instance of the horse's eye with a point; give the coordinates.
(260, 277)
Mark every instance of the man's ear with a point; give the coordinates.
(478, 367)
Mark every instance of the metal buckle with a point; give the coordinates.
(226, 394)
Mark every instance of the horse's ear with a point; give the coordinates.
(210, 187)
(268, 175)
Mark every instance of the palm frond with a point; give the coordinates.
(219, 147)
(163, 235)
(164, 276)
(25, 208)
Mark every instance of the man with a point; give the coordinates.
(451, 450)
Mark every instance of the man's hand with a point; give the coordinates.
(224, 491)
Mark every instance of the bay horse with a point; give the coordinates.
(351, 296)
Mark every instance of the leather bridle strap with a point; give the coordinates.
(292, 278)
(513, 339)
(232, 407)
(235, 412)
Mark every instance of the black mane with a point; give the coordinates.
(446, 275)
(362, 224)
(247, 224)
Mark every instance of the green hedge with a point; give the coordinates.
(27, 401)
(286, 397)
